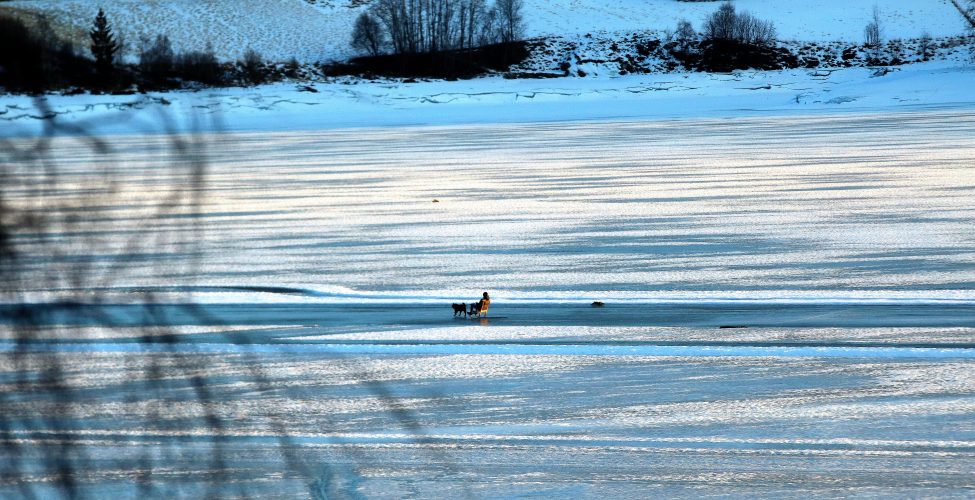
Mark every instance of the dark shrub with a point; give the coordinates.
(156, 59)
(33, 59)
(252, 67)
(199, 66)
(464, 63)
(729, 55)
(292, 68)
(685, 34)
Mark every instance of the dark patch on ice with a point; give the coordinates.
(274, 289)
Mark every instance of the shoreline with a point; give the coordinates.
(287, 108)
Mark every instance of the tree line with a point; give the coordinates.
(33, 58)
(429, 26)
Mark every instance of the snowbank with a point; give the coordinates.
(355, 103)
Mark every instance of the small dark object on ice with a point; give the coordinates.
(459, 309)
(726, 327)
(436, 200)
(598, 304)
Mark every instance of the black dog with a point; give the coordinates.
(459, 309)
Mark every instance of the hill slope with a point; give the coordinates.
(278, 29)
(319, 30)
(816, 20)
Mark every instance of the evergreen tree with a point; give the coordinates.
(103, 44)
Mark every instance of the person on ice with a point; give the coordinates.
(481, 305)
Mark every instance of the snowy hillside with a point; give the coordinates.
(319, 31)
(806, 20)
(278, 29)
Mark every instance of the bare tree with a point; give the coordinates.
(510, 19)
(470, 20)
(873, 33)
(415, 26)
(924, 46)
(969, 15)
(252, 67)
(368, 35)
(82, 214)
(490, 28)
(721, 24)
(156, 58)
(729, 25)
(968, 12)
(685, 31)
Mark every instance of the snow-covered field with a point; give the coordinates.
(280, 29)
(817, 20)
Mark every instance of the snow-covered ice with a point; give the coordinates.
(491, 100)
(859, 207)
(315, 308)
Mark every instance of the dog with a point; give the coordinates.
(459, 309)
(475, 309)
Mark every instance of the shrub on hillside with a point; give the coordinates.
(872, 33)
(925, 47)
(722, 56)
(252, 67)
(452, 64)
(199, 66)
(292, 68)
(734, 40)
(726, 24)
(156, 59)
(414, 27)
(685, 33)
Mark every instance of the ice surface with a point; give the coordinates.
(303, 341)
(515, 425)
(822, 209)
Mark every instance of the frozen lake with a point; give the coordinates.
(769, 206)
(298, 338)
